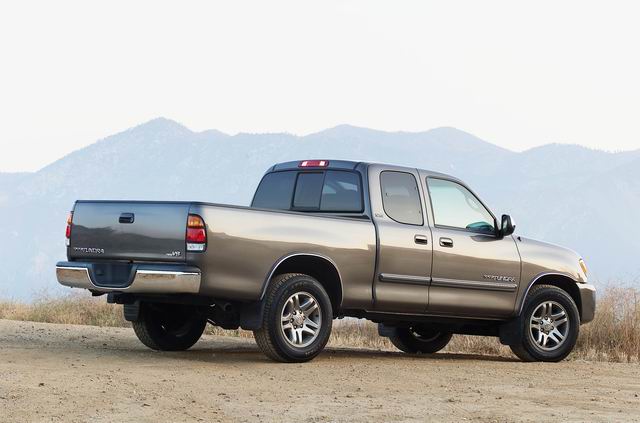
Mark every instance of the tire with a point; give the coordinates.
(169, 327)
(413, 340)
(549, 325)
(286, 332)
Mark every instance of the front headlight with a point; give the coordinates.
(583, 266)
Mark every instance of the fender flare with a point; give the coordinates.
(520, 304)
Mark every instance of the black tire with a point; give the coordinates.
(528, 348)
(419, 340)
(169, 327)
(271, 337)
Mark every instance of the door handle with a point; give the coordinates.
(126, 218)
(421, 239)
(446, 242)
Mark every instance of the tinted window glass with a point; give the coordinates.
(275, 191)
(308, 190)
(400, 197)
(455, 206)
(330, 191)
(341, 192)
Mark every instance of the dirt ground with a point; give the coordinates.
(61, 373)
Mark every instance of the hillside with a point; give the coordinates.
(584, 199)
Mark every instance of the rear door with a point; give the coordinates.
(475, 272)
(129, 230)
(404, 241)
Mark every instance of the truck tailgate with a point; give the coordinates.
(129, 230)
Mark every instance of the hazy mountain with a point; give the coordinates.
(584, 199)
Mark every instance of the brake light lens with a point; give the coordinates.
(196, 233)
(314, 163)
(68, 231)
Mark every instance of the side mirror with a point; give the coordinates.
(507, 227)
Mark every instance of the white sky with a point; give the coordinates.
(516, 75)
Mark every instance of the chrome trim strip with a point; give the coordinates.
(144, 281)
(408, 279)
(489, 286)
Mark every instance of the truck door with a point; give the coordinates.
(475, 272)
(401, 280)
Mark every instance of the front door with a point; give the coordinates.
(404, 257)
(475, 272)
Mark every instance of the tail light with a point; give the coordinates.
(68, 231)
(196, 233)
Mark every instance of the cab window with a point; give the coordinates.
(456, 207)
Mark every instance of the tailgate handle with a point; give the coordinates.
(126, 218)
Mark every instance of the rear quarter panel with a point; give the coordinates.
(244, 245)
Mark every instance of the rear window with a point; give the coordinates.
(275, 191)
(328, 191)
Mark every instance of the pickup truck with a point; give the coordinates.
(416, 252)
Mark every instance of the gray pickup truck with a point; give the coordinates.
(415, 251)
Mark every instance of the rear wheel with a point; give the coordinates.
(169, 327)
(297, 319)
(414, 340)
(549, 325)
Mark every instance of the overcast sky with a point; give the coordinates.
(518, 76)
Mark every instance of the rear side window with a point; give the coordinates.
(400, 197)
(275, 191)
(329, 191)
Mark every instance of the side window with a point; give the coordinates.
(275, 191)
(400, 197)
(455, 206)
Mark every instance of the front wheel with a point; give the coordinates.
(549, 325)
(169, 327)
(297, 319)
(414, 340)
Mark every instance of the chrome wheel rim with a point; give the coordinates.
(300, 319)
(549, 325)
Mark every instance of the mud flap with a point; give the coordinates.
(386, 331)
(251, 315)
(132, 311)
(510, 332)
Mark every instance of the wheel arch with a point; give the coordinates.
(320, 267)
(562, 281)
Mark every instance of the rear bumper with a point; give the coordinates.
(145, 278)
(587, 301)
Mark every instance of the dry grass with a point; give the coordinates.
(614, 335)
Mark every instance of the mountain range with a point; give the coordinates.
(581, 198)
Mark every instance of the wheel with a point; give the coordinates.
(417, 339)
(297, 319)
(169, 327)
(549, 325)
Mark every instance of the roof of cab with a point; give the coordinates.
(349, 165)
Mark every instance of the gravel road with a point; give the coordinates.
(64, 373)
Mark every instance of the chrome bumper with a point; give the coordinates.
(147, 279)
